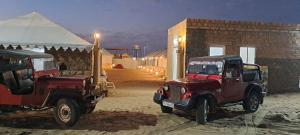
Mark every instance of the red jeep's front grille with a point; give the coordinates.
(174, 93)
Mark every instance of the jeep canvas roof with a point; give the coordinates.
(24, 53)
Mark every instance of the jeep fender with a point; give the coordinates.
(253, 87)
(212, 100)
(54, 95)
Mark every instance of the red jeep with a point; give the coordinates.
(30, 80)
(212, 82)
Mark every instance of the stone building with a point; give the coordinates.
(274, 46)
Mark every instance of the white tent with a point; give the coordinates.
(36, 31)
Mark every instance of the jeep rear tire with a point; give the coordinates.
(202, 110)
(67, 112)
(165, 109)
(251, 103)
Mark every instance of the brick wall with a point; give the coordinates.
(283, 74)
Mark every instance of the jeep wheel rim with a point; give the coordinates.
(253, 102)
(64, 113)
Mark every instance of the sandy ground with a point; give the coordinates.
(129, 110)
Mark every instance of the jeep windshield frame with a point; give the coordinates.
(205, 67)
(222, 59)
(14, 63)
(25, 59)
(41, 64)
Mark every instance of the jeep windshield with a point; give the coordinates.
(205, 67)
(40, 64)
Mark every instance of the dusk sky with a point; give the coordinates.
(145, 22)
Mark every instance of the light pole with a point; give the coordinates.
(96, 60)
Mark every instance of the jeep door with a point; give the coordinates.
(232, 83)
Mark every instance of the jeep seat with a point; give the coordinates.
(24, 81)
(9, 80)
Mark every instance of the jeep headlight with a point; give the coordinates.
(165, 87)
(183, 90)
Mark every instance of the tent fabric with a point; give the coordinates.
(158, 53)
(36, 31)
(24, 53)
(105, 52)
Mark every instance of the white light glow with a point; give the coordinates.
(97, 35)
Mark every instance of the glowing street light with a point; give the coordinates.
(96, 60)
(96, 35)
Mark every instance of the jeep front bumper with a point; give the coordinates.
(180, 105)
(93, 98)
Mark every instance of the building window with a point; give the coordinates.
(215, 51)
(248, 54)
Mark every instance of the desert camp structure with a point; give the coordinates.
(37, 33)
(155, 63)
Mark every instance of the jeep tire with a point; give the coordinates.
(251, 103)
(202, 110)
(165, 109)
(67, 112)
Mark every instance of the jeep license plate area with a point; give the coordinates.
(168, 104)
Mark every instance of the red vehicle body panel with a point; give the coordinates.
(45, 82)
(200, 84)
(30, 81)
(223, 89)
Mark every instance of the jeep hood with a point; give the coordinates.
(65, 78)
(197, 84)
(64, 82)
